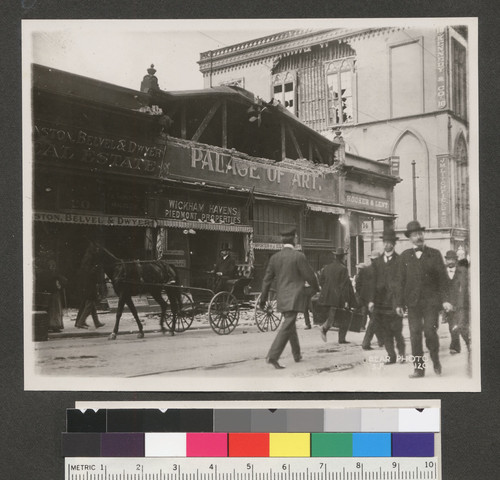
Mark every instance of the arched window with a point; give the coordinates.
(340, 82)
(462, 184)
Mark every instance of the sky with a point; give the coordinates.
(121, 55)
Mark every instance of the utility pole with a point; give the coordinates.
(414, 179)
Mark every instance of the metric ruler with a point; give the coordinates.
(252, 468)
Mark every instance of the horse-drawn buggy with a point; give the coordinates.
(182, 303)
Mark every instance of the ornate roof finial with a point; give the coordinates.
(150, 82)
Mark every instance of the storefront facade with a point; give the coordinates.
(105, 169)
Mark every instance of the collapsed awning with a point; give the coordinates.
(373, 214)
(315, 207)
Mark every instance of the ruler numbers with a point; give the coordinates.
(155, 468)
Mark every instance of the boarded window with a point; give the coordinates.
(270, 220)
(459, 78)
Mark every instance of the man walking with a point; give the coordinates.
(364, 287)
(289, 270)
(458, 291)
(336, 293)
(382, 298)
(422, 287)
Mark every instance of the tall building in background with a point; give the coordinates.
(398, 95)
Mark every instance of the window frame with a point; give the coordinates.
(283, 79)
(453, 36)
(336, 67)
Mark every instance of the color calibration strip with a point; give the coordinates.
(218, 444)
(334, 420)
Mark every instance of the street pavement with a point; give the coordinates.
(200, 352)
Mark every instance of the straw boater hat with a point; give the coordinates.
(413, 226)
(389, 236)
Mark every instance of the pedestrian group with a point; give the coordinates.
(417, 283)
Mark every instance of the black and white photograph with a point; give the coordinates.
(251, 205)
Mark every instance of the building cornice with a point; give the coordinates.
(273, 47)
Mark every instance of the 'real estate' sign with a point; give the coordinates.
(367, 202)
(82, 148)
(219, 166)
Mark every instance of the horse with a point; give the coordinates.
(136, 277)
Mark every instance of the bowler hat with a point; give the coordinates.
(289, 232)
(413, 226)
(451, 254)
(389, 236)
(339, 251)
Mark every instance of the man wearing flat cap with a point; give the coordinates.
(289, 270)
(422, 288)
(337, 293)
(458, 290)
(382, 298)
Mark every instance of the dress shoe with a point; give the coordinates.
(275, 364)
(343, 341)
(453, 351)
(99, 325)
(82, 326)
(390, 362)
(417, 374)
(323, 335)
(438, 369)
(307, 327)
(366, 348)
(299, 359)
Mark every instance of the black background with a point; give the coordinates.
(31, 422)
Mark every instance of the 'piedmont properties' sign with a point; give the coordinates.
(196, 162)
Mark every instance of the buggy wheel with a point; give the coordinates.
(269, 318)
(185, 316)
(223, 313)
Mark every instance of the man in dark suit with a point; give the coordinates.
(363, 288)
(338, 294)
(382, 298)
(458, 295)
(225, 268)
(288, 270)
(422, 287)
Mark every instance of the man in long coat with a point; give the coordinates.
(382, 298)
(225, 268)
(288, 270)
(458, 296)
(422, 287)
(338, 294)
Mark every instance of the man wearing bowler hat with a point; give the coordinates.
(458, 290)
(337, 293)
(382, 298)
(289, 270)
(422, 287)
(224, 268)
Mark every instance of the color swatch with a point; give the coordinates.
(273, 444)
